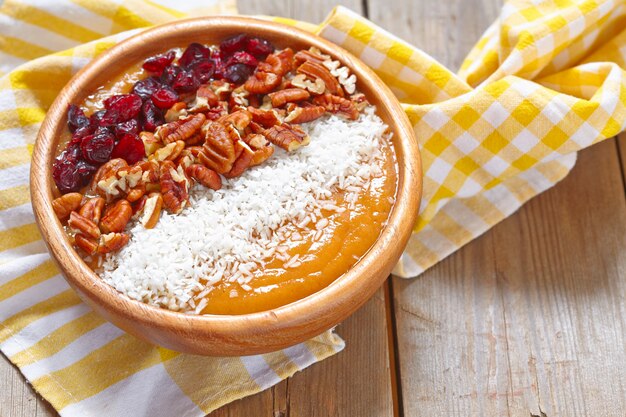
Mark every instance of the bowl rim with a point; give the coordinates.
(390, 243)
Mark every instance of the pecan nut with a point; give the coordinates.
(305, 114)
(205, 99)
(169, 152)
(66, 204)
(104, 175)
(174, 188)
(239, 119)
(287, 136)
(278, 63)
(83, 225)
(204, 176)
(180, 130)
(288, 95)
(303, 56)
(136, 193)
(242, 162)
(92, 209)
(315, 71)
(315, 87)
(151, 210)
(262, 82)
(116, 217)
(175, 112)
(338, 105)
(150, 143)
(218, 151)
(112, 242)
(266, 118)
(89, 245)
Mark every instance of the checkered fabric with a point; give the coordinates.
(544, 81)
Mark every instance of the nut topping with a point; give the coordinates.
(262, 82)
(318, 71)
(289, 95)
(305, 114)
(83, 225)
(112, 242)
(116, 217)
(204, 176)
(92, 209)
(85, 243)
(287, 137)
(174, 188)
(151, 210)
(180, 130)
(65, 204)
(218, 151)
(338, 105)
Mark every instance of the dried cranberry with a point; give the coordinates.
(157, 64)
(169, 74)
(241, 57)
(130, 148)
(76, 118)
(234, 44)
(96, 118)
(237, 73)
(65, 175)
(120, 108)
(164, 98)
(151, 116)
(193, 54)
(85, 171)
(204, 70)
(97, 148)
(186, 82)
(130, 126)
(259, 47)
(146, 87)
(218, 64)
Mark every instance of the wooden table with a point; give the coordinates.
(529, 319)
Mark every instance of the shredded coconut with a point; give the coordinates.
(226, 235)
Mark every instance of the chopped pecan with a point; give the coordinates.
(169, 152)
(261, 147)
(150, 171)
(338, 105)
(150, 143)
(85, 243)
(218, 151)
(66, 204)
(314, 70)
(106, 172)
(289, 95)
(278, 63)
(360, 101)
(240, 119)
(174, 188)
(116, 217)
(138, 206)
(218, 111)
(314, 87)
(205, 99)
(112, 242)
(92, 209)
(222, 89)
(129, 177)
(180, 129)
(287, 136)
(136, 193)
(175, 112)
(204, 176)
(151, 210)
(83, 225)
(305, 114)
(262, 82)
(266, 118)
(242, 162)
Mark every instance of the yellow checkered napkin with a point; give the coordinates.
(544, 81)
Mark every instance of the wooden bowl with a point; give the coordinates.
(228, 335)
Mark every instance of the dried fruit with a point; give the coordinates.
(151, 116)
(128, 127)
(169, 74)
(116, 217)
(157, 64)
(185, 82)
(164, 98)
(259, 47)
(237, 73)
(146, 87)
(120, 108)
(83, 225)
(76, 118)
(242, 57)
(234, 44)
(130, 148)
(194, 53)
(65, 204)
(65, 175)
(204, 176)
(97, 148)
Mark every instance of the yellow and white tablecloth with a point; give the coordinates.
(545, 80)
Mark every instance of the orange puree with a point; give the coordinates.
(346, 239)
